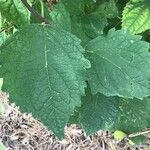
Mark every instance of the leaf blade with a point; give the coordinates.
(120, 65)
(15, 12)
(136, 16)
(47, 73)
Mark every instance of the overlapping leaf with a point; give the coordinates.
(86, 21)
(136, 16)
(61, 17)
(134, 115)
(15, 12)
(120, 65)
(98, 112)
(114, 113)
(44, 72)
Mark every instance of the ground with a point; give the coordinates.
(20, 131)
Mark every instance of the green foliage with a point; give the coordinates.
(115, 65)
(61, 17)
(15, 12)
(3, 37)
(46, 70)
(134, 115)
(2, 147)
(136, 16)
(1, 83)
(97, 112)
(119, 135)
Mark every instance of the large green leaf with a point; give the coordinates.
(44, 72)
(97, 112)
(120, 65)
(136, 16)
(15, 12)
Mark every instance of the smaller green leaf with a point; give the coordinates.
(119, 135)
(131, 142)
(136, 0)
(148, 148)
(60, 16)
(15, 12)
(138, 140)
(94, 24)
(2, 147)
(97, 112)
(108, 9)
(134, 115)
(136, 16)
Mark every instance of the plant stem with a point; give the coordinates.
(139, 133)
(42, 8)
(34, 12)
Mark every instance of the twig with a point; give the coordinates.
(34, 12)
(139, 133)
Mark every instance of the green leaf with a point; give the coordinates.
(74, 118)
(60, 16)
(86, 21)
(120, 65)
(138, 140)
(1, 83)
(2, 147)
(119, 135)
(15, 12)
(97, 112)
(74, 7)
(114, 113)
(3, 37)
(134, 115)
(93, 24)
(108, 9)
(136, 16)
(44, 72)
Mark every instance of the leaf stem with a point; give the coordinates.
(42, 8)
(139, 133)
(34, 12)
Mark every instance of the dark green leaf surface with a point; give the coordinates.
(61, 17)
(15, 12)
(3, 37)
(120, 65)
(114, 113)
(134, 115)
(86, 21)
(97, 112)
(44, 72)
